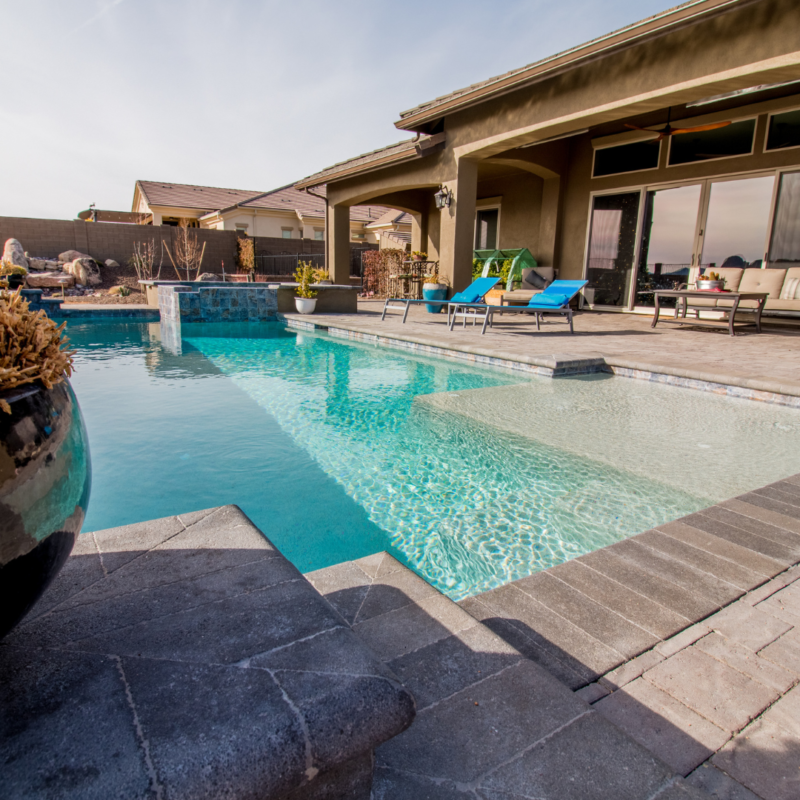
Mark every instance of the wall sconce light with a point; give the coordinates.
(443, 197)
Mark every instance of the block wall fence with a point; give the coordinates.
(46, 238)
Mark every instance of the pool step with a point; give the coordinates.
(490, 722)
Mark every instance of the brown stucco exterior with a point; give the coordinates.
(491, 150)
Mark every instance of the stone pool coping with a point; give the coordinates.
(556, 364)
(186, 657)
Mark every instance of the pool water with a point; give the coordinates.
(473, 477)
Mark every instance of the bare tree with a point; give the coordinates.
(143, 260)
(188, 252)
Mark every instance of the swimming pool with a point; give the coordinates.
(471, 476)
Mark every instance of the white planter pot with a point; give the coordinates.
(434, 286)
(326, 283)
(305, 305)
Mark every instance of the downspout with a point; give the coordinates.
(328, 261)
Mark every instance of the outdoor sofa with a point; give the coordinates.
(783, 286)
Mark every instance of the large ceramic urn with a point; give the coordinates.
(45, 476)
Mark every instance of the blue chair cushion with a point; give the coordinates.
(469, 295)
(549, 300)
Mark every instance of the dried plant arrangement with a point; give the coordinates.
(32, 346)
(143, 260)
(246, 254)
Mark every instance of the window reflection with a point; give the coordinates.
(785, 246)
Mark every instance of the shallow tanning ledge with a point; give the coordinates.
(187, 658)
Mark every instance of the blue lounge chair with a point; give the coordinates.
(554, 299)
(474, 293)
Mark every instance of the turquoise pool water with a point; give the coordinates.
(337, 450)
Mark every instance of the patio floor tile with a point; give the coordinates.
(718, 692)
(666, 727)
(748, 625)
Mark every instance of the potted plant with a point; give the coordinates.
(418, 255)
(306, 299)
(14, 275)
(435, 288)
(322, 277)
(45, 478)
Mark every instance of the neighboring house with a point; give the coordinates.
(585, 157)
(285, 213)
(393, 230)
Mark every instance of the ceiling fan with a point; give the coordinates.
(668, 130)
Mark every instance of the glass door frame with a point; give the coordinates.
(700, 226)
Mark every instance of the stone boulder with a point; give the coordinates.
(14, 253)
(70, 255)
(85, 271)
(50, 280)
(43, 264)
(208, 276)
(109, 262)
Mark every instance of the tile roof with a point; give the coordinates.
(626, 36)
(210, 199)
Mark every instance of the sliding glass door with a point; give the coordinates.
(669, 232)
(612, 242)
(657, 237)
(736, 222)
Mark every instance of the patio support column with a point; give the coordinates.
(457, 230)
(337, 254)
(548, 222)
(419, 232)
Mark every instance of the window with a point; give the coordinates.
(784, 130)
(286, 233)
(629, 157)
(486, 224)
(319, 234)
(241, 226)
(735, 139)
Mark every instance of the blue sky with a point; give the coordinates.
(243, 94)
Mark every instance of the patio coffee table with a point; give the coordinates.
(687, 294)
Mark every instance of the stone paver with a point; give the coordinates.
(765, 758)
(719, 785)
(727, 697)
(663, 725)
(748, 625)
(190, 659)
(491, 723)
(744, 660)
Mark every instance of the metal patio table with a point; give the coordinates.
(687, 294)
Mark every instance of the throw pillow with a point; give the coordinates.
(791, 289)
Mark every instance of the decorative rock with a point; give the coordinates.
(85, 270)
(109, 262)
(46, 280)
(71, 255)
(208, 276)
(38, 264)
(14, 253)
(121, 291)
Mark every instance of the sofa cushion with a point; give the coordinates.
(757, 280)
(763, 280)
(782, 305)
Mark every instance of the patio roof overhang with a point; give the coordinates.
(423, 116)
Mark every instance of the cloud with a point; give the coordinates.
(105, 8)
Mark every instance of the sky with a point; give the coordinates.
(243, 94)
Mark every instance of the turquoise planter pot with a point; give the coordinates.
(434, 294)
